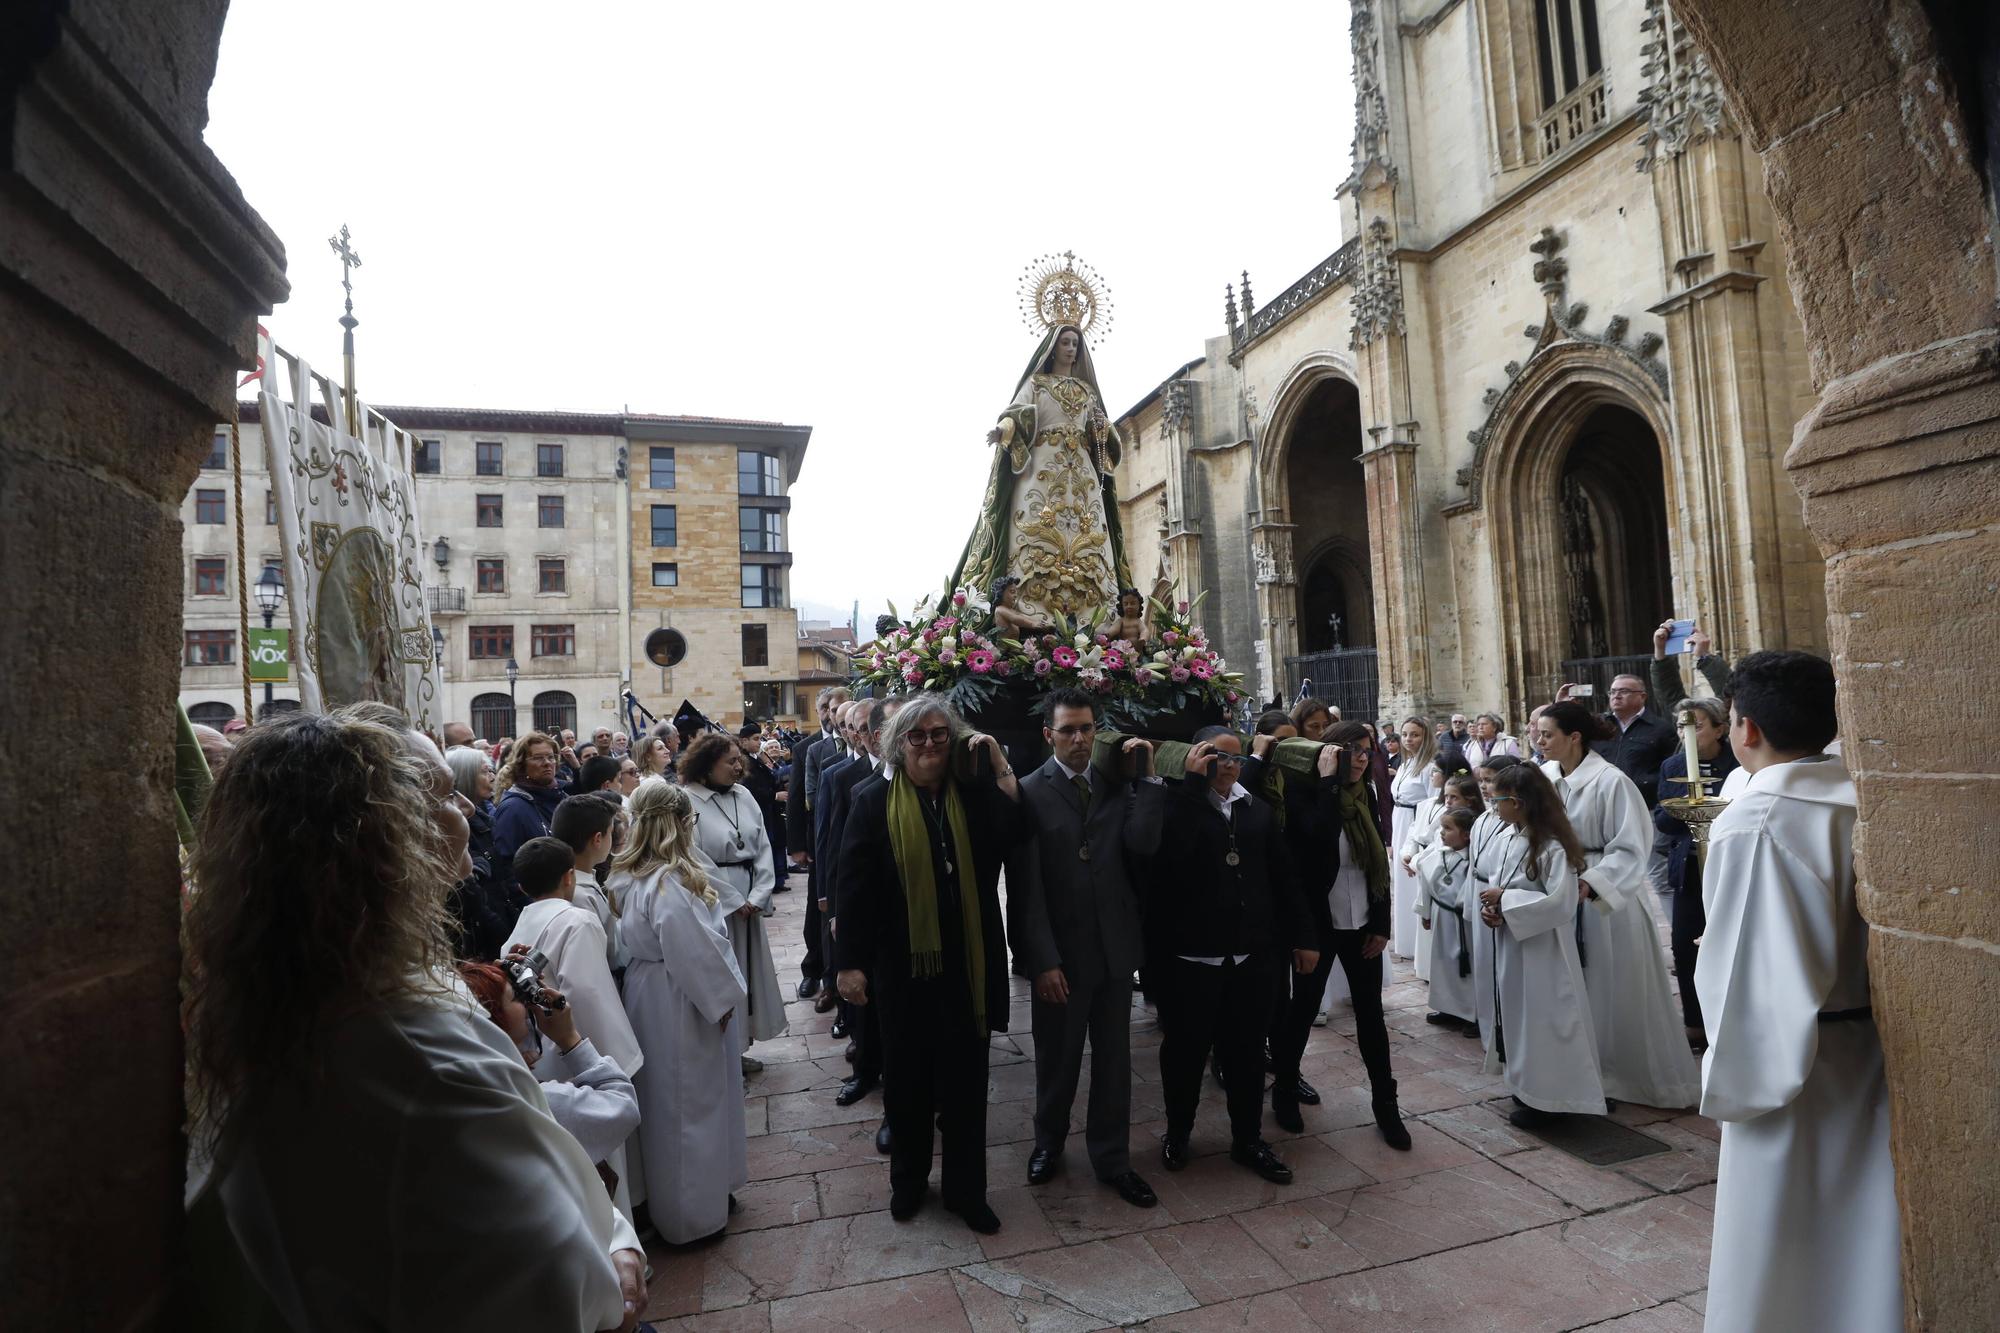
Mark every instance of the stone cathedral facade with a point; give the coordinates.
(1534, 402)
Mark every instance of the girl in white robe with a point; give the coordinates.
(1534, 1014)
(1409, 787)
(1807, 1235)
(1449, 911)
(683, 988)
(731, 838)
(1642, 1045)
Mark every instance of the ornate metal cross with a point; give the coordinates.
(349, 261)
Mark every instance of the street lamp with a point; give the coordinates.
(441, 553)
(513, 706)
(270, 590)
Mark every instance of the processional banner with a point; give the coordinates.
(347, 517)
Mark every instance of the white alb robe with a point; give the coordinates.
(1409, 787)
(682, 980)
(1807, 1235)
(1445, 900)
(570, 934)
(423, 1184)
(1642, 1046)
(722, 818)
(1529, 990)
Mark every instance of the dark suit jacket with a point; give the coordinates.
(1062, 911)
(798, 826)
(1637, 752)
(836, 796)
(874, 935)
(1200, 905)
(829, 751)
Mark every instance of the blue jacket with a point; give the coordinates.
(522, 813)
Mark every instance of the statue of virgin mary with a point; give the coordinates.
(1050, 515)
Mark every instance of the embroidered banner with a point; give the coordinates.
(348, 520)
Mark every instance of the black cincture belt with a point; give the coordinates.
(1846, 1015)
(1406, 805)
(735, 865)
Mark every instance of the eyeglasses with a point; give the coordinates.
(1235, 759)
(1080, 729)
(1625, 689)
(934, 737)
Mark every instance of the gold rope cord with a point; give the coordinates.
(242, 569)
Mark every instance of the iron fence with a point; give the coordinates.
(1345, 678)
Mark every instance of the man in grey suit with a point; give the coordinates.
(1074, 921)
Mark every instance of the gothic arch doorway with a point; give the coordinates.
(1577, 492)
(1336, 598)
(1327, 504)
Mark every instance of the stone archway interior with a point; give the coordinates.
(1613, 526)
(1328, 506)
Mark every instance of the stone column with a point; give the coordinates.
(134, 274)
(1277, 607)
(1396, 562)
(1860, 108)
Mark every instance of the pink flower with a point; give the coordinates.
(946, 622)
(979, 661)
(1144, 676)
(958, 599)
(1103, 639)
(1170, 638)
(1201, 669)
(1065, 656)
(1181, 608)
(1032, 651)
(1113, 659)
(1178, 675)
(1231, 697)
(1000, 668)
(1042, 667)
(1102, 684)
(912, 675)
(947, 658)
(931, 634)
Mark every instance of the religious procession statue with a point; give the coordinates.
(1049, 518)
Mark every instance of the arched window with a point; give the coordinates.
(211, 714)
(555, 710)
(492, 716)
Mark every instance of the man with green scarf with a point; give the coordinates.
(920, 933)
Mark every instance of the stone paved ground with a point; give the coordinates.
(1479, 1227)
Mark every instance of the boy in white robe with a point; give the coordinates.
(1535, 1016)
(1446, 907)
(1807, 1234)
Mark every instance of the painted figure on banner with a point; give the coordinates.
(1050, 513)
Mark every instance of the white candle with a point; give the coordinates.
(1691, 743)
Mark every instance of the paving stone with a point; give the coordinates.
(1441, 1210)
(1482, 1129)
(1517, 1284)
(775, 1203)
(1672, 1317)
(1217, 1260)
(1574, 1181)
(1691, 1162)
(1118, 1281)
(1430, 1150)
(742, 1319)
(926, 1303)
(1272, 1312)
(809, 1150)
(1659, 1245)
(1213, 1185)
(1000, 1303)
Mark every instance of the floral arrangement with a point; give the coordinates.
(1172, 670)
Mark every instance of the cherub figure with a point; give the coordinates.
(1009, 620)
(1131, 622)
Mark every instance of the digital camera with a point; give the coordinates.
(526, 975)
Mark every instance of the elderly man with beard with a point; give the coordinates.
(921, 935)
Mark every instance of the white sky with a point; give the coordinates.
(811, 213)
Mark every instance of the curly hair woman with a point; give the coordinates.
(384, 1157)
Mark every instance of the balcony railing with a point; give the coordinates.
(1324, 276)
(446, 601)
(1581, 113)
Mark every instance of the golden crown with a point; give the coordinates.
(1062, 289)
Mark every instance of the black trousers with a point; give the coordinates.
(814, 964)
(1364, 982)
(1292, 1017)
(1689, 922)
(1227, 1008)
(934, 1080)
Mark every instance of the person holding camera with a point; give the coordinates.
(383, 1156)
(921, 934)
(1074, 918)
(1230, 914)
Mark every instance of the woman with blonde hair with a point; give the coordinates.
(682, 989)
(1409, 788)
(650, 754)
(384, 1157)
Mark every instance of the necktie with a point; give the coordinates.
(1083, 790)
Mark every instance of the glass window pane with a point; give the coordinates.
(665, 526)
(666, 576)
(661, 462)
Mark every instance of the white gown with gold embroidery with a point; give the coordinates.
(1058, 542)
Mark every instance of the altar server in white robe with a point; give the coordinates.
(1642, 1047)
(1534, 1016)
(729, 832)
(1487, 832)
(1448, 909)
(1807, 1235)
(685, 994)
(1409, 787)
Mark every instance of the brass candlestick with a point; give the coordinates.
(1697, 809)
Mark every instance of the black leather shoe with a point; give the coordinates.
(1524, 1116)
(1042, 1165)
(838, 1030)
(808, 988)
(903, 1206)
(781, 887)
(882, 1139)
(853, 1052)
(1285, 1110)
(854, 1089)
(827, 999)
(1132, 1188)
(1441, 1020)
(979, 1216)
(1174, 1153)
(1259, 1158)
(1390, 1121)
(1307, 1094)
